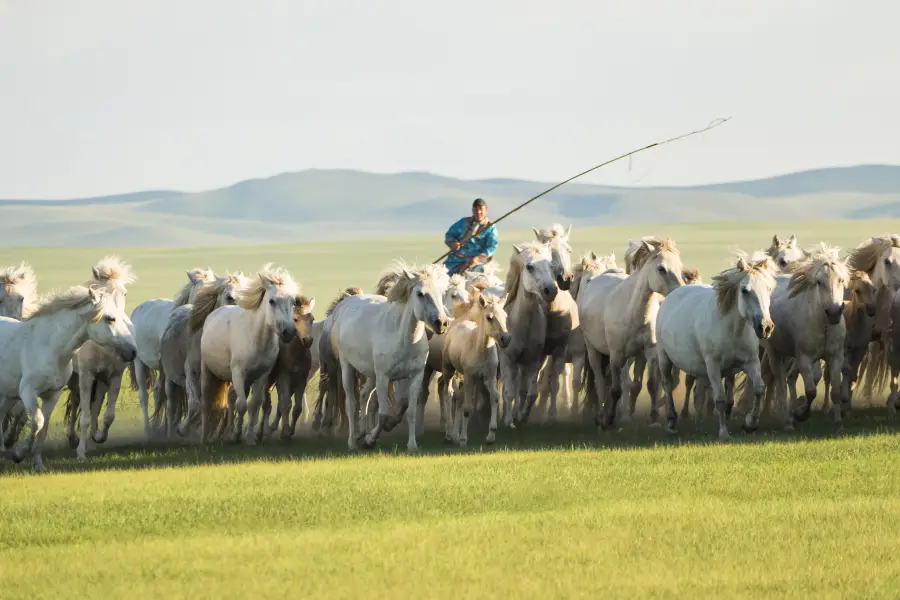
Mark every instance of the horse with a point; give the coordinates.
(18, 293)
(240, 344)
(291, 372)
(470, 349)
(97, 370)
(808, 308)
(531, 289)
(879, 258)
(618, 317)
(330, 398)
(150, 318)
(709, 331)
(36, 355)
(562, 316)
(786, 252)
(383, 338)
(179, 355)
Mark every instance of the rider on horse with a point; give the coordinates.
(472, 241)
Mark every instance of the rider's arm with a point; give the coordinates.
(453, 235)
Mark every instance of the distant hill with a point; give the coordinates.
(334, 204)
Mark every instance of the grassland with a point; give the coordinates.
(551, 512)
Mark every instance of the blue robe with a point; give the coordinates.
(483, 244)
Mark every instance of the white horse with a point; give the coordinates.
(36, 355)
(383, 338)
(98, 370)
(240, 345)
(18, 293)
(712, 331)
(531, 288)
(150, 318)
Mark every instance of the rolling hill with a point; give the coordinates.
(346, 204)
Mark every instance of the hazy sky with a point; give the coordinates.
(107, 96)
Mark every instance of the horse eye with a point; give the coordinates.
(420, 294)
(887, 261)
(490, 318)
(110, 319)
(745, 291)
(271, 302)
(661, 269)
(530, 267)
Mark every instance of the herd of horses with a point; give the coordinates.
(213, 354)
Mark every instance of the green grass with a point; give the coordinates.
(551, 512)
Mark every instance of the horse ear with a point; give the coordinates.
(482, 301)
(568, 230)
(537, 234)
(95, 272)
(647, 245)
(792, 241)
(409, 274)
(776, 241)
(517, 249)
(192, 277)
(741, 264)
(503, 299)
(96, 294)
(593, 254)
(312, 303)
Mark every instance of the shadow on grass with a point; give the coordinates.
(135, 455)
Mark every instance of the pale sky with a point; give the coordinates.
(110, 96)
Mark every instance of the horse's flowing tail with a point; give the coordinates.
(149, 380)
(875, 369)
(218, 404)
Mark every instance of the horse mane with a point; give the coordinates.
(386, 282)
(20, 278)
(457, 280)
(409, 277)
(251, 296)
(111, 269)
(184, 294)
(857, 277)
(865, 256)
(638, 253)
(555, 231)
(75, 298)
(516, 263)
(691, 275)
(350, 291)
(208, 297)
(727, 283)
(804, 272)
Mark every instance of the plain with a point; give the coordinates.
(557, 511)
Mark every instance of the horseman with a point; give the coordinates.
(472, 241)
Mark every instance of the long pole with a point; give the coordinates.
(713, 124)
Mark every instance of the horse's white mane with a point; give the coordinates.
(112, 268)
(19, 278)
(727, 283)
(251, 296)
(75, 298)
(407, 277)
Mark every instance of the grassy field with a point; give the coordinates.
(551, 512)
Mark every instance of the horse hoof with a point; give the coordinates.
(74, 441)
(655, 425)
(368, 444)
(448, 439)
(751, 428)
(412, 448)
(99, 438)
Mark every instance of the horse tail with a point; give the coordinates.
(218, 405)
(875, 369)
(133, 385)
(73, 400)
(589, 386)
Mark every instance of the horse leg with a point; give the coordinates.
(805, 367)
(653, 383)
(729, 395)
(299, 403)
(142, 374)
(634, 390)
(510, 387)
(259, 393)
(464, 410)
(755, 380)
(443, 389)
(714, 374)
(48, 403)
(85, 388)
(170, 406)
(577, 373)
(669, 374)
(382, 383)
(413, 385)
(100, 389)
(834, 365)
(422, 399)
(556, 364)
(569, 387)
(348, 380)
(793, 373)
(544, 378)
(5, 405)
(112, 397)
(702, 398)
(689, 381)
